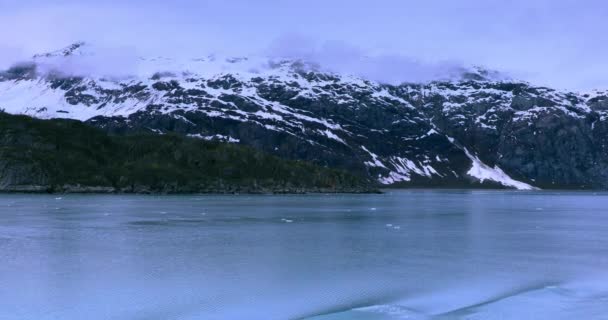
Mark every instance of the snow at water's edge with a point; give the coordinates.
(484, 172)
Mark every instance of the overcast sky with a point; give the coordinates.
(559, 43)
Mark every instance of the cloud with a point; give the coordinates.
(9, 55)
(154, 27)
(341, 57)
(89, 60)
(332, 56)
(92, 60)
(385, 40)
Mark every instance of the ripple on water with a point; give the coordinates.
(551, 302)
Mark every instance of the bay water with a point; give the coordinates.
(404, 254)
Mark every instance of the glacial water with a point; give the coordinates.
(399, 255)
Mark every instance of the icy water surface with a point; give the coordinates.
(401, 255)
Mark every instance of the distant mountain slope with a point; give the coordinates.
(479, 129)
(67, 155)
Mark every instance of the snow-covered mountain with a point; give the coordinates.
(476, 128)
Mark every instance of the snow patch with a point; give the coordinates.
(332, 136)
(403, 170)
(217, 137)
(484, 172)
(375, 161)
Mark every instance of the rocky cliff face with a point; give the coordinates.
(471, 131)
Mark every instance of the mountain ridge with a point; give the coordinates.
(470, 132)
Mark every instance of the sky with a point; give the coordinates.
(558, 43)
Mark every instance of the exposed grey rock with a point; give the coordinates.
(404, 135)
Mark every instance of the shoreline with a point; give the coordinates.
(100, 190)
(288, 192)
(113, 191)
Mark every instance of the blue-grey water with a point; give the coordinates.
(400, 255)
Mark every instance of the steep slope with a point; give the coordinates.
(476, 130)
(553, 139)
(69, 156)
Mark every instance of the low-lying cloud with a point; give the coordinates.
(341, 57)
(93, 61)
(332, 56)
(387, 40)
(9, 55)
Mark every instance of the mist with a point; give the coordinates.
(329, 56)
(9, 56)
(344, 58)
(99, 61)
(547, 43)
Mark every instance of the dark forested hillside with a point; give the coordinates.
(69, 156)
(475, 130)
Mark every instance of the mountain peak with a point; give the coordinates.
(71, 50)
(479, 73)
(84, 58)
(467, 129)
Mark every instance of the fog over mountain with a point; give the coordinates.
(531, 40)
(310, 160)
(470, 127)
(460, 95)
